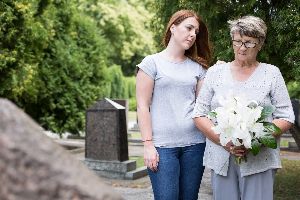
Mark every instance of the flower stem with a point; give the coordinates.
(240, 159)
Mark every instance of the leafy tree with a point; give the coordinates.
(281, 16)
(52, 61)
(120, 86)
(125, 24)
(294, 89)
(17, 66)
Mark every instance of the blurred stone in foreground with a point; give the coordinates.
(33, 167)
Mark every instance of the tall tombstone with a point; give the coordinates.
(33, 166)
(125, 103)
(106, 143)
(106, 131)
(295, 130)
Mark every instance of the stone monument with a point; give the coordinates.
(124, 103)
(295, 130)
(33, 166)
(106, 143)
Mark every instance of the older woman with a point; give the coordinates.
(259, 81)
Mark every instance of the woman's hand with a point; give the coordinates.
(229, 147)
(151, 157)
(238, 151)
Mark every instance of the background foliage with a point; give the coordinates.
(57, 57)
(126, 26)
(281, 16)
(52, 66)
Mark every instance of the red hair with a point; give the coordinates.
(200, 51)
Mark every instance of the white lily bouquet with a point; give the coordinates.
(243, 122)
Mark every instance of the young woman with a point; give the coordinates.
(167, 84)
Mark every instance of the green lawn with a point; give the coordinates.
(284, 143)
(135, 135)
(287, 181)
(139, 160)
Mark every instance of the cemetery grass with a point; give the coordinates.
(139, 160)
(136, 135)
(287, 181)
(284, 143)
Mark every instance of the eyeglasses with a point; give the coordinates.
(247, 44)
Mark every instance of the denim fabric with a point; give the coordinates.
(179, 174)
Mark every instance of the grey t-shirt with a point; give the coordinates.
(173, 100)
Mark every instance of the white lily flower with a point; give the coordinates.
(247, 141)
(237, 120)
(226, 137)
(258, 129)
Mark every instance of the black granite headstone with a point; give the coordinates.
(295, 130)
(106, 132)
(296, 108)
(125, 103)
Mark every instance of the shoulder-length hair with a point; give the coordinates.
(200, 51)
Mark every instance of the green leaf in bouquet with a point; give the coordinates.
(269, 141)
(212, 114)
(267, 110)
(255, 147)
(272, 128)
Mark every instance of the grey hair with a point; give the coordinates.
(249, 26)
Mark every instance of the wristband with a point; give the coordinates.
(148, 140)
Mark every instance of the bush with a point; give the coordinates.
(132, 104)
(294, 89)
(120, 86)
(52, 61)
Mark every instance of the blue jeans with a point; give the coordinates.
(179, 174)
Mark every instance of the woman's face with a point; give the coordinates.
(245, 48)
(184, 34)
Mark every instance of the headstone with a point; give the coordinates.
(106, 143)
(125, 104)
(106, 132)
(33, 166)
(296, 108)
(295, 130)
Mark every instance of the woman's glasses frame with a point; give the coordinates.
(247, 44)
